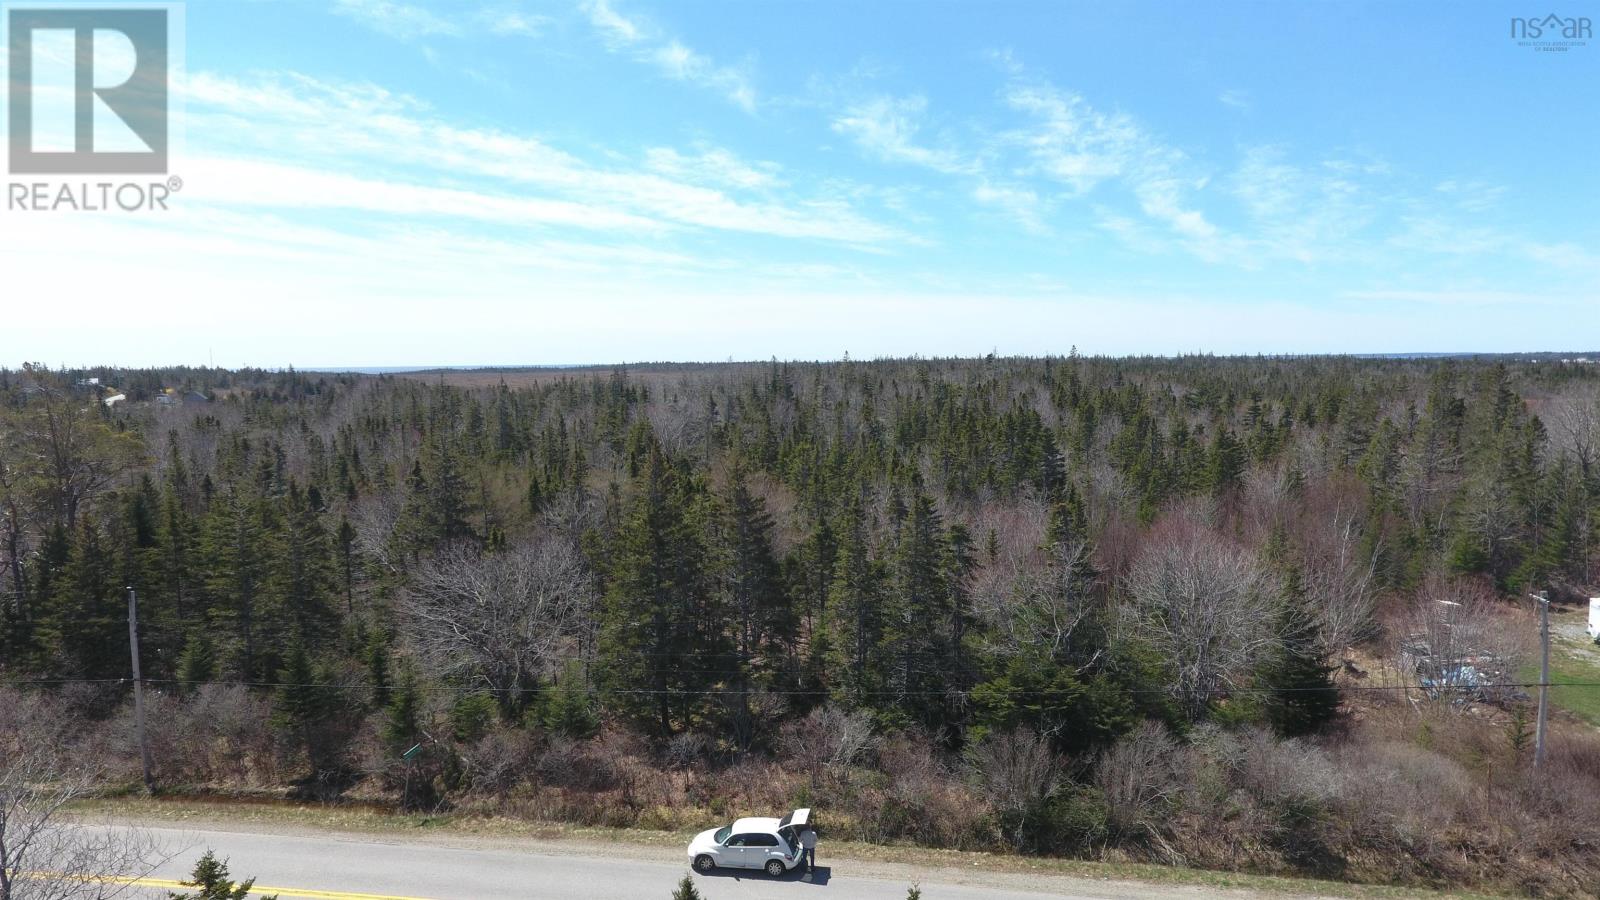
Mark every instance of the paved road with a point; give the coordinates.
(365, 867)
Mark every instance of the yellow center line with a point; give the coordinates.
(259, 890)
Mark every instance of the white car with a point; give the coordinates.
(757, 843)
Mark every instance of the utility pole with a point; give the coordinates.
(138, 689)
(1544, 676)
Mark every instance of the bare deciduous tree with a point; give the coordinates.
(1042, 605)
(1340, 581)
(43, 856)
(504, 618)
(75, 455)
(1491, 517)
(374, 518)
(1576, 432)
(1205, 605)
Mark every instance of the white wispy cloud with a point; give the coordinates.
(889, 127)
(1236, 99)
(648, 44)
(1308, 214)
(1071, 142)
(713, 166)
(264, 184)
(1021, 204)
(1058, 150)
(1470, 195)
(512, 21)
(397, 19)
(1474, 297)
(366, 128)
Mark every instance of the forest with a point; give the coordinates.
(1251, 613)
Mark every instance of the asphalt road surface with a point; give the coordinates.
(333, 866)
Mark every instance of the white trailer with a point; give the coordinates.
(1594, 618)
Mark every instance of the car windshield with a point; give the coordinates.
(722, 833)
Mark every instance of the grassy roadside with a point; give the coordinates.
(1574, 660)
(267, 817)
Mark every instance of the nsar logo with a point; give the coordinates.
(1552, 32)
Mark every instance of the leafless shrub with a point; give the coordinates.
(923, 800)
(1291, 776)
(219, 733)
(913, 770)
(498, 761)
(373, 517)
(569, 513)
(1401, 796)
(575, 764)
(688, 748)
(41, 856)
(1139, 778)
(1017, 772)
(1268, 500)
(829, 741)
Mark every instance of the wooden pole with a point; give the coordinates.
(1544, 680)
(138, 689)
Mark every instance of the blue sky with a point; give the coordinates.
(376, 182)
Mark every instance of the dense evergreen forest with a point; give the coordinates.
(1076, 605)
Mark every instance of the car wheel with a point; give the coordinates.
(775, 867)
(704, 863)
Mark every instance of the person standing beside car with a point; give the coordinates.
(808, 848)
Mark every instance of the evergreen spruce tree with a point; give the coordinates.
(375, 654)
(686, 890)
(197, 665)
(416, 777)
(302, 570)
(304, 708)
(179, 540)
(1224, 463)
(86, 623)
(760, 617)
(916, 642)
(402, 725)
(214, 882)
(570, 709)
(1303, 697)
(856, 614)
(657, 632)
(345, 539)
(234, 549)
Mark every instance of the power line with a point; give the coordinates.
(812, 692)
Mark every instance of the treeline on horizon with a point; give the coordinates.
(1068, 548)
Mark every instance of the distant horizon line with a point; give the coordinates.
(1588, 355)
